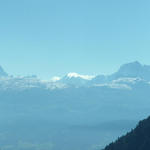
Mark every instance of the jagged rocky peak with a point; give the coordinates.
(129, 70)
(134, 67)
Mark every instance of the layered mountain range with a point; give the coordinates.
(73, 112)
(127, 75)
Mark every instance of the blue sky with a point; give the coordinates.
(51, 38)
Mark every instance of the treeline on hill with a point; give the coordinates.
(137, 139)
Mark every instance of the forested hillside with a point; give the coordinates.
(137, 139)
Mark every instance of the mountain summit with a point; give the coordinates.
(133, 70)
(129, 70)
(76, 79)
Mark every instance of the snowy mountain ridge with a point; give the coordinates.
(127, 76)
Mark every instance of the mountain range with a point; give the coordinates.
(77, 112)
(126, 75)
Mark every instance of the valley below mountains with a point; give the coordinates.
(75, 112)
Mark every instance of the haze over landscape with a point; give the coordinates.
(74, 75)
(74, 112)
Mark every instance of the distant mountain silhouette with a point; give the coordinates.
(129, 70)
(137, 139)
(134, 69)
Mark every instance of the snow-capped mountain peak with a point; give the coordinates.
(75, 79)
(55, 78)
(127, 75)
(76, 75)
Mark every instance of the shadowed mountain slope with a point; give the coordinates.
(137, 139)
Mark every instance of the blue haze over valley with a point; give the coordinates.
(77, 112)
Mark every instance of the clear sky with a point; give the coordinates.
(53, 37)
